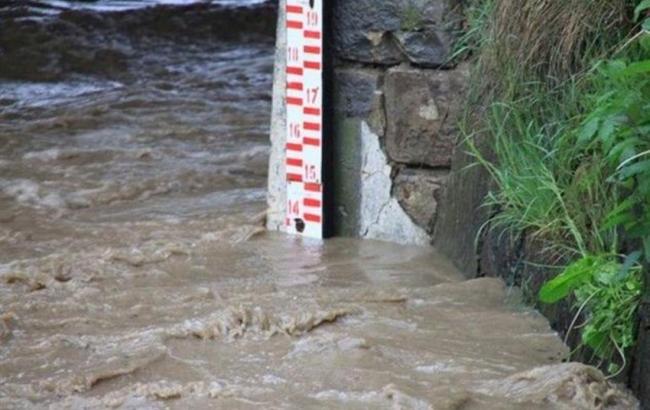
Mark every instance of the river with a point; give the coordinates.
(135, 272)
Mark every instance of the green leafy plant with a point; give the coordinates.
(642, 7)
(607, 292)
(616, 128)
(618, 125)
(568, 132)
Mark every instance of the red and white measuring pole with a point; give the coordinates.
(304, 103)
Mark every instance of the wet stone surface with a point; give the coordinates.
(419, 192)
(422, 112)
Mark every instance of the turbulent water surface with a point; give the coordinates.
(134, 270)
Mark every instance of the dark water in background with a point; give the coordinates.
(52, 7)
(134, 271)
(158, 108)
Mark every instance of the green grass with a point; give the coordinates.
(470, 39)
(560, 117)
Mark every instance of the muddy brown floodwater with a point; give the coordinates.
(135, 273)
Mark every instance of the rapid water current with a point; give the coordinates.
(135, 272)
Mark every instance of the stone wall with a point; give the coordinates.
(395, 103)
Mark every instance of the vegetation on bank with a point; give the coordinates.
(560, 117)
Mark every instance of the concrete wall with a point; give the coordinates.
(395, 101)
(277, 189)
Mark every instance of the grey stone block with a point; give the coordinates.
(422, 112)
(363, 29)
(419, 191)
(354, 91)
(427, 48)
(377, 117)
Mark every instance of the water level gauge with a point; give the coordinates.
(304, 107)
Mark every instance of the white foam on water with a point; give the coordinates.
(43, 94)
(29, 192)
